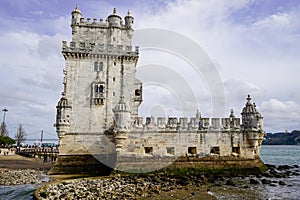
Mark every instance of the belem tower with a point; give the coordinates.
(97, 118)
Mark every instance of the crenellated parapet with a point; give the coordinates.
(184, 124)
(112, 21)
(95, 50)
(95, 38)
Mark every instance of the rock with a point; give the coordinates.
(284, 167)
(254, 181)
(281, 183)
(230, 183)
(271, 166)
(295, 174)
(265, 181)
(43, 194)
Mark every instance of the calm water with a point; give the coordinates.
(280, 154)
(277, 155)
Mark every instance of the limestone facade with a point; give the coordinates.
(98, 110)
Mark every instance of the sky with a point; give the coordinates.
(253, 45)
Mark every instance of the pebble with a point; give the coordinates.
(133, 187)
(19, 177)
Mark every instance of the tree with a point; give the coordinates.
(20, 135)
(3, 129)
(5, 140)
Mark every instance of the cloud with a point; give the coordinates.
(280, 19)
(255, 45)
(281, 115)
(32, 78)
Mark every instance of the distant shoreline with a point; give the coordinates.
(283, 138)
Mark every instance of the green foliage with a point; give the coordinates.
(292, 138)
(5, 140)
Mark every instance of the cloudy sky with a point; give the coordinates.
(253, 44)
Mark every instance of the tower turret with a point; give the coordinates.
(129, 20)
(114, 20)
(62, 116)
(122, 123)
(64, 110)
(122, 116)
(76, 15)
(249, 113)
(252, 125)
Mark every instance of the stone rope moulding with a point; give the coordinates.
(97, 118)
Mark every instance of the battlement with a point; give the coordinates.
(112, 21)
(182, 124)
(91, 47)
(99, 24)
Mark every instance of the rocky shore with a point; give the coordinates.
(19, 177)
(163, 186)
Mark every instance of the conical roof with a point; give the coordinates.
(249, 108)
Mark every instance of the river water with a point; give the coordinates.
(276, 155)
(282, 155)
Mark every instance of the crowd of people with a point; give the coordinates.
(6, 151)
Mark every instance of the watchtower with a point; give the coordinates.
(100, 69)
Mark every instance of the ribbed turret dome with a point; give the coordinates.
(121, 106)
(63, 102)
(250, 108)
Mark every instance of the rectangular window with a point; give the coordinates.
(148, 150)
(236, 150)
(171, 150)
(192, 150)
(215, 150)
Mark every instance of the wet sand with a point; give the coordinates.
(13, 161)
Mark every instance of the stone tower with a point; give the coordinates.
(100, 68)
(99, 78)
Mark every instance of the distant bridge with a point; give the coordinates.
(41, 139)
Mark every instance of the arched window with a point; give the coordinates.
(96, 66)
(101, 66)
(99, 88)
